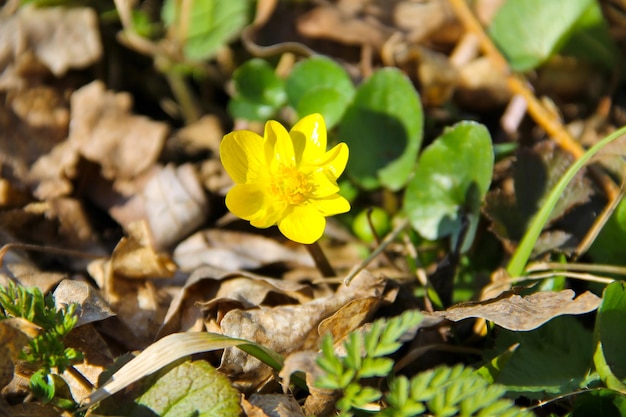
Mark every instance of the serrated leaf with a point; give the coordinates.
(211, 24)
(192, 388)
(383, 127)
(530, 31)
(375, 367)
(452, 176)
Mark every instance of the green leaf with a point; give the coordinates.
(211, 24)
(450, 181)
(256, 81)
(609, 359)
(192, 388)
(550, 360)
(530, 31)
(241, 108)
(320, 85)
(591, 39)
(383, 128)
(599, 402)
(608, 246)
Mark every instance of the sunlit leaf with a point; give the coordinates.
(192, 388)
(530, 31)
(320, 85)
(383, 128)
(609, 359)
(451, 178)
(209, 24)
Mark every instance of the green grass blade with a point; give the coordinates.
(518, 262)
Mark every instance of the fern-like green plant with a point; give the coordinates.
(442, 392)
(46, 352)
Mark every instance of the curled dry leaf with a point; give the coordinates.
(91, 305)
(320, 401)
(515, 312)
(286, 328)
(273, 405)
(14, 335)
(175, 204)
(242, 289)
(104, 131)
(58, 37)
(134, 256)
(234, 250)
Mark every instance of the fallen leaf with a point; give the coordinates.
(234, 250)
(175, 204)
(277, 405)
(91, 305)
(134, 256)
(60, 38)
(515, 312)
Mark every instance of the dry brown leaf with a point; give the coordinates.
(320, 402)
(285, 329)
(91, 305)
(217, 285)
(349, 317)
(14, 335)
(175, 204)
(58, 37)
(104, 131)
(134, 256)
(276, 405)
(234, 250)
(97, 358)
(515, 312)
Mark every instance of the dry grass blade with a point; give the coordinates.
(171, 348)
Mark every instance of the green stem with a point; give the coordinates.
(522, 254)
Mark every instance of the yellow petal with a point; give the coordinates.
(241, 153)
(336, 159)
(309, 137)
(325, 185)
(332, 205)
(245, 200)
(302, 224)
(278, 144)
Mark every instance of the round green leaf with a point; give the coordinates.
(383, 128)
(315, 73)
(211, 24)
(192, 388)
(325, 100)
(241, 108)
(610, 331)
(257, 82)
(451, 178)
(530, 31)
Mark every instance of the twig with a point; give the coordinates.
(519, 86)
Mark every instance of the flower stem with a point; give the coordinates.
(320, 259)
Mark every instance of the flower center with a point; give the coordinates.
(290, 185)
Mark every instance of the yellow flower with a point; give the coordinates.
(285, 178)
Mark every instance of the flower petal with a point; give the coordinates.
(278, 144)
(302, 224)
(309, 137)
(325, 185)
(246, 200)
(241, 153)
(331, 205)
(336, 159)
